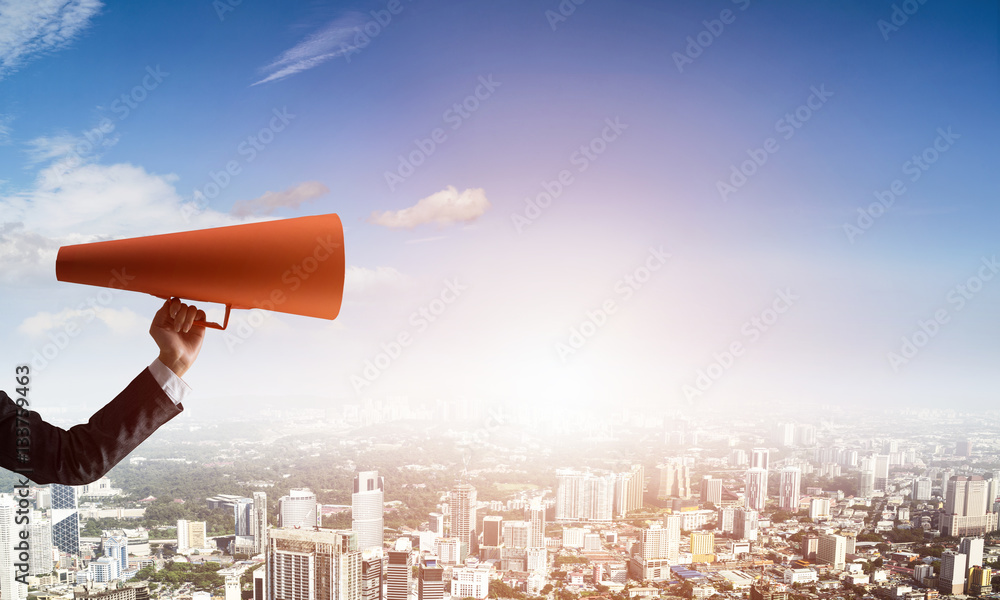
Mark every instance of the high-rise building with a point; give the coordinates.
(398, 571)
(191, 535)
(979, 580)
(258, 524)
(10, 589)
(788, 492)
(449, 551)
(673, 480)
(516, 534)
(972, 548)
(756, 488)
(430, 579)
(922, 488)
(832, 550)
(584, 496)
(313, 564)
(737, 457)
(784, 434)
(371, 574)
(471, 581)
(243, 516)
(40, 539)
(745, 524)
(462, 502)
(702, 546)
(628, 491)
(966, 510)
(760, 458)
(711, 490)
(493, 530)
(866, 483)
(724, 520)
(810, 545)
(65, 519)
(298, 510)
(951, 579)
(657, 549)
(435, 523)
(366, 509)
(819, 509)
(115, 547)
(881, 472)
(963, 448)
(536, 513)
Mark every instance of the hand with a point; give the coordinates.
(178, 337)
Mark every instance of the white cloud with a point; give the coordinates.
(444, 208)
(120, 322)
(336, 39)
(28, 29)
(290, 198)
(359, 280)
(73, 201)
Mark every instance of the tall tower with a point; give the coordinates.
(65, 519)
(536, 538)
(745, 524)
(243, 516)
(258, 524)
(788, 491)
(298, 509)
(41, 545)
(313, 564)
(371, 574)
(10, 589)
(430, 580)
(397, 576)
(761, 458)
(881, 471)
(463, 515)
(711, 490)
(756, 488)
(366, 509)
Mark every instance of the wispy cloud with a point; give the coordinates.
(28, 29)
(444, 208)
(290, 198)
(121, 322)
(335, 39)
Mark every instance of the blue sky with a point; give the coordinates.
(81, 164)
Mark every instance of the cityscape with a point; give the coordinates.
(491, 503)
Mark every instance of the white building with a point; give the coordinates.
(800, 576)
(471, 581)
(298, 510)
(366, 509)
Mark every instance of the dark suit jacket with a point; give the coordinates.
(86, 452)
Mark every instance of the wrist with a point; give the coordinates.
(175, 363)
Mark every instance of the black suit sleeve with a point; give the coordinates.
(87, 451)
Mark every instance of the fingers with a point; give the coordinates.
(178, 316)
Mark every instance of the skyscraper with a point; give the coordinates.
(674, 480)
(711, 490)
(952, 577)
(584, 496)
(258, 524)
(745, 524)
(313, 564)
(760, 458)
(397, 576)
(371, 574)
(493, 530)
(41, 545)
(65, 519)
(832, 550)
(298, 509)
(366, 509)
(10, 589)
(966, 510)
(788, 491)
(462, 501)
(628, 491)
(922, 488)
(756, 488)
(536, 513)
(881, 472)
(116, 548)
(191, 535)
(866, 483)
(430, 579)
(972, 548)
(243, 516)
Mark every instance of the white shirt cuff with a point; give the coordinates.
(175, 387)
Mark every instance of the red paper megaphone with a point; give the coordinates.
(294, 266)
